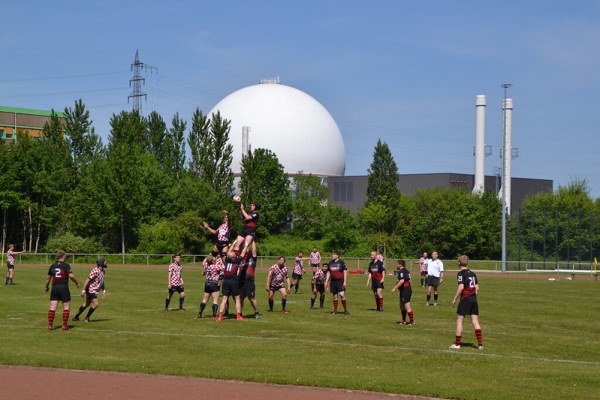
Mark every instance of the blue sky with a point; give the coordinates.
(405, 72)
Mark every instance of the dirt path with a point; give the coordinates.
(48, 383)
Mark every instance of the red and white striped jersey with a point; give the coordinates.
(96, 278)
(214, 272)
(298, 266)
(175, 270)
(278, 274)
(223, 233)
(9, 257)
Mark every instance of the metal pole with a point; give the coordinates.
(504, 161)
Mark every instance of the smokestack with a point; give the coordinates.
(480, 103)
(245, 140)
(507, 150)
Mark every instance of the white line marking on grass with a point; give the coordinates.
(476, 353)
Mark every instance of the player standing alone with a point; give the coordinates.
(337, 274)
(377, 276)
(468, 288)
(275, 283)
(435, 277)
(405, 293)
(10, 262)
(92, 286)
(175, 282)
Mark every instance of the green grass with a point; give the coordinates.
(541, 337)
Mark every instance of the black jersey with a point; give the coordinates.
(336, 270)
(403, 273)
(60, 271)
(469, 280)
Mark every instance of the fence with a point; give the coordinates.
(353, 263)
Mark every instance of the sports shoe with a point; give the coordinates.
(427, 304)
(182, 309)
(166, 309)
(220, 318)
(199, 316)
(257, 315)
(347, 312)
(50, 327)
(334, 312)
(454, 346)
(65, 328)
(403, 323)
(435, 304)
(480, 347)
(269, 310)
(75, 318)
(312, 307)
(239, 318)
(86, 320)
(285, 311)
(322, 307)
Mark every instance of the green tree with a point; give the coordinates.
(382, 175)
(309, 205)
(174, 162)
(556, 225)
(451, 221)
(210, 152)
(123, 184)
(83, 142)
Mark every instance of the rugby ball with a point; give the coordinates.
(237, 198)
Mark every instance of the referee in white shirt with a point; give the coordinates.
(435, 277)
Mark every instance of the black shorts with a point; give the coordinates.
(375, 284)
(433, 280)
(211, 287)
(230, 287)
(60, 293)
(177, 289)
(405, 295)
(248, 289)
(337, 287)
(423, 273)
(276, 288)
(248, 231)
(468, 306)
(314, 265)
(320, 287)
(221, 245)
(91, 296)
(296, 276)
(10, 266)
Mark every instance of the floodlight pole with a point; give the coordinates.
(504, 177)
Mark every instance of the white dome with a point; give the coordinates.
(290, 123)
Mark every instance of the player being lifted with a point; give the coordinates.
(248, 232)
(223, 233)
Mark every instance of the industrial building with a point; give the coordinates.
(15, 121)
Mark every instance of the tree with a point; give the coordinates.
(211, 154)
(263, 180)
(157, 136)
(452, 222)
(174, 162)
(309, 202)
(123, 185)
(382, 175)
(556, 225)
(83, 142)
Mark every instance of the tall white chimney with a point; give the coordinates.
(507, 153)
(245, 140)
(479, 185)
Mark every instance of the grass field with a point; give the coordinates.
(541, 337)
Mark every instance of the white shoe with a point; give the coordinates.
(480, 347)
(427, 304)
(453, 346)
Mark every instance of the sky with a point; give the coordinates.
(403, 72)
